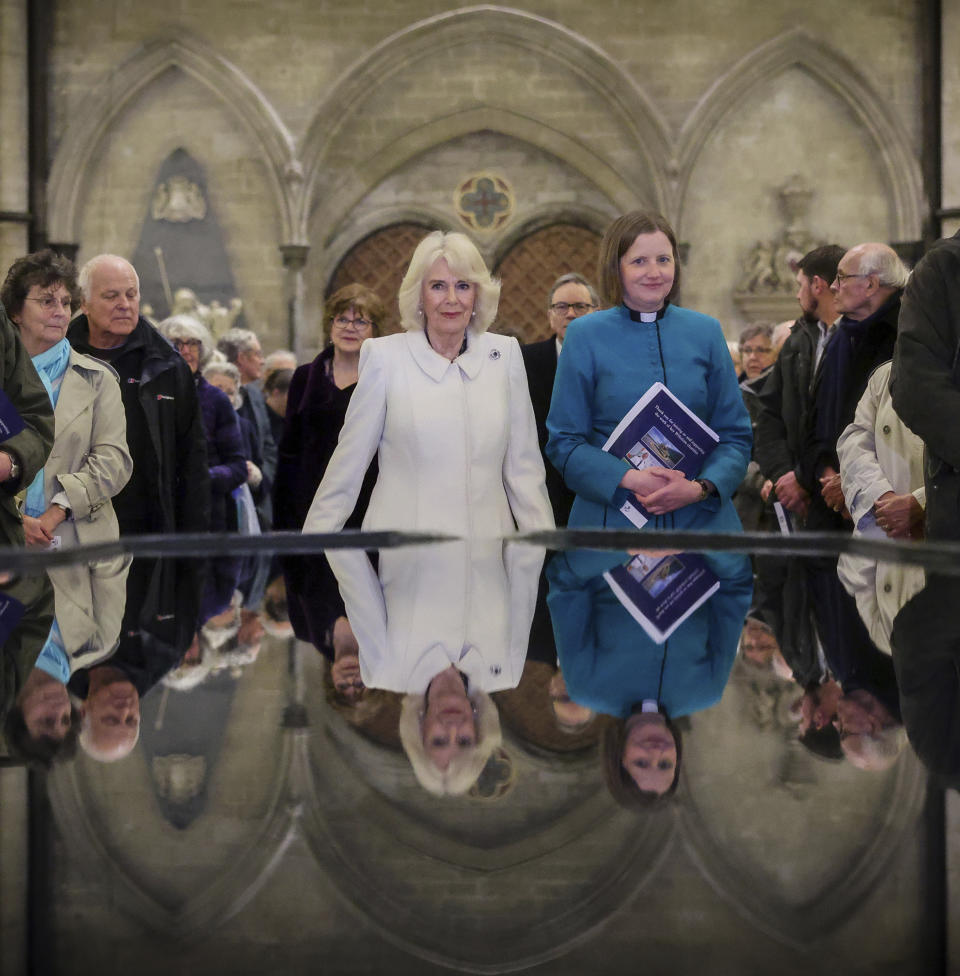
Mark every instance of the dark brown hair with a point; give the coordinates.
(616, 242)
(619, 782)
(43, 268)
(361, 299)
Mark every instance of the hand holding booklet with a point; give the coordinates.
(660, 431)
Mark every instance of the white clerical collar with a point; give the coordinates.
(648, 316)
(649, 704)
(559, 342)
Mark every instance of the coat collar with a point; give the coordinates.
(436, 366)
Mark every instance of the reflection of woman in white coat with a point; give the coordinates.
(446, 625)
(445, 407)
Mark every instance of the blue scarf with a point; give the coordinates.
(50, 366)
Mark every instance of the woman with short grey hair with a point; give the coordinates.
(225, 455)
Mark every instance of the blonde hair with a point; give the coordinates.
(465, 768)
(465, 261)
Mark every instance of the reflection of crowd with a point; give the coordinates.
(131, 428)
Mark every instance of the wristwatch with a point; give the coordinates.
(14, 467)
(707, 488)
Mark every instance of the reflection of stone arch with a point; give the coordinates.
(87, 130)
(529, 268)
(899, 167)
(588, 67)
(379, 262)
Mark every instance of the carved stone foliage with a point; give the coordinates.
(531, 266)
(767, 285)
(379, 262)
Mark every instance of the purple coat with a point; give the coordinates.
(311, 428)
(225, 457)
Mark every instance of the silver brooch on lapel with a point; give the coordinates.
(494, 353)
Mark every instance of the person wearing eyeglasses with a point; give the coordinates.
(571, 297)
(70, 500)
(226, 460)
(317, 402)
(757, 355)
(870, 280)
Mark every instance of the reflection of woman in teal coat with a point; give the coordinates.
(613, 667)
(611, 358)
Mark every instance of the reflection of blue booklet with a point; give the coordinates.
(660, 431)
(660, 592)
(11, 422)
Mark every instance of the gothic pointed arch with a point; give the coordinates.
(518, 38)
(798, 49)
(121, 88)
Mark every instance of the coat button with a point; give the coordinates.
(886, 428)
(495, 669)
(887, 587)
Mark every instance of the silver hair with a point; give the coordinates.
(465, 261)
(235, 341)
(188, 327)
(465, 768)
(222, 369)
(86, 272)
(573, 278)
(748, 332)
(883, 261)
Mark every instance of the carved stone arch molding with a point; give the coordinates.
(837, 832)
(587, 66)
(238, 94)
(829, 67)
(401, 858)
(118, 838)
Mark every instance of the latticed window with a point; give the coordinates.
(379, 262)
(531, 266)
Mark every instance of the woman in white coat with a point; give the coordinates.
(445, 407)
(70, 499)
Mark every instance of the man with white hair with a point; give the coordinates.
(169, 490)
(870, 280)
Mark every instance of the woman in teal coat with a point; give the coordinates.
(611, 358)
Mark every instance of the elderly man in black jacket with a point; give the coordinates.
(870, 280)
(169, 490)
(925, 382)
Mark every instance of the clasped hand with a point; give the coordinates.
(661, 490)
(900, 516)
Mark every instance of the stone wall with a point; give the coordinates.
(316, 123)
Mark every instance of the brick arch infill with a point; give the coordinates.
(239, 96)
(827, 66)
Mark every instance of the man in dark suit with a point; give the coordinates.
(570, 297)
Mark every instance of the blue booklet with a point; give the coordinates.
(11, 422)
(660, 431)
(660, 590)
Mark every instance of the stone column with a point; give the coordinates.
(294, 259)
(950, 101)
(14, 124)
(13, 869)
